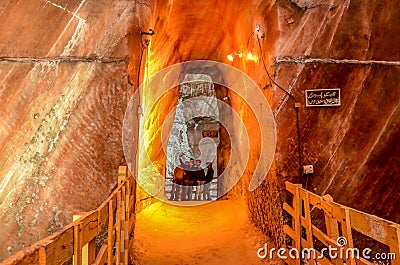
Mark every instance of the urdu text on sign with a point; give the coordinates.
(323, 97)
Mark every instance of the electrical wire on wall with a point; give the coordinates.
(144, 47)
(296, 107)
(144, 44)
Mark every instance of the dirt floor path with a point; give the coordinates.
(215, 233)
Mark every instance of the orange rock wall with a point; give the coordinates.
(354, 148)
(211, 30)
(64, 87)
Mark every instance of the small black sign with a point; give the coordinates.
(211, 134)
(323, 97)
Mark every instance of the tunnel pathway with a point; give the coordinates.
(216, 233)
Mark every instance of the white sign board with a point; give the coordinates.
(323, 97)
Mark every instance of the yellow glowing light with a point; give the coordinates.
(231, 56)
(252, 57)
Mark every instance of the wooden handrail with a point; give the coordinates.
(116, 215)
(68, 243)
(339, 221)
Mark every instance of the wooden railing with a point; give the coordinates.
(76, 243)
(339, 223)
(114, 222)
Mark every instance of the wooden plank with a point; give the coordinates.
(110, 237)
(320, 259)
(122, 170)
(361, 260)
(131, 225)
(113, 238)
(288, 209)
(102, 217)
(290, 187)
(27, 256)
(122, 227)
(92, 251)
(132, 180)
(303, 221)
(118, 230)
(395, 248)
(315, 200)
(102, 256)
(377, 228)
(127, 193)
(290, 261)
(304, 243)
(132, 204)
(113, 195)
(346, 230)
(126, 237)
(289, 231)
(324, 260)
(126, 243)
(58, 248)
(325, 239)
(89, 227)
(332, 226)
(308, 224)
(77, 244)
(333, 209)
(122, 174)
(324, 203)
(114, 203)
(297, 223)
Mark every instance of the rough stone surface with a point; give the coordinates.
(211, 31)
(354, 148)
(61, 119)
(64, 88)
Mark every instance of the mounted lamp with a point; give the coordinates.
(232, 55)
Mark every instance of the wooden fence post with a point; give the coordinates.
(91, 255)
(118, 230)
(396, 248)
(77, 244)
(309, 233)
(297, 206)
(332, 226)
(127, 213)
(122, 224)
(346, 231)
(110, 232)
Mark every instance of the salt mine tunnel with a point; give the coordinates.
(79, 101)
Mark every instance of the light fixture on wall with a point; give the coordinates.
(150, 32)
(252, 57)
(232, 55)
